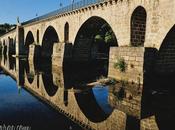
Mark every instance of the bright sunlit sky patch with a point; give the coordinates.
(27, 9)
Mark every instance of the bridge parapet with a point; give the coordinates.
(69, 8)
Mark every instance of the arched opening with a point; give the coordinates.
(4, 48)
(11, 41)
(66, 32)
(1, 48)
(29, 40)
(48, 80)
(3, 42)
(138, 26)
(165, 63)
(12, 63)
(10, 46)
(14, 46)
(4, 52)
(162, 96)
(37, 37)
(97, 99)
(91, 47)
(30, 74)
(50, 37)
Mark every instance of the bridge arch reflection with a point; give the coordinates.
(30, 72)
(48, 79)
(94, 104)
(28, 41)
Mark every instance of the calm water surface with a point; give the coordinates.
(19, 107)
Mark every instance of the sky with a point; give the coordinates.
(27, 9)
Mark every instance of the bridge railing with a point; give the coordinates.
(71, 7)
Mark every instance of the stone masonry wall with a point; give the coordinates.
(58, 54)
(133, 58)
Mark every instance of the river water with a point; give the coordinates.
(42, 96)
(46, 98)
(19, 107)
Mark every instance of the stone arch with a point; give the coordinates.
(94, 25)
(10, 46)
(93, 41)
(28, 41)
(66, 32)
(97, 98)
(138, 26)
(14, 45)
(1, 47)
(165, 63)
(30, 74)
(4, 47)
(37, 36)
(49, 38)
(50, 86)
(3, 43)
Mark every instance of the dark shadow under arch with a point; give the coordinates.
(165, 62)
(14, 45)
(95, 32)
(158, 94)
(47, 78)
(50, 37)
(28, 41)
(37, 37)
(92, 45)
(29, 75)
(90, 104)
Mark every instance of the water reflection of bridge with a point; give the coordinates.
(92, 108)
(86, 107)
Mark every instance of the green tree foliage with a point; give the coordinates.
(5, 28)
(105, 34)
(99, 38)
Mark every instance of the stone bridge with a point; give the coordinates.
(137, 23)
(98, 34)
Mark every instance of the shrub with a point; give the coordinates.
(121, 65)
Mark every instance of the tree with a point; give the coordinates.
(5, 28)
(105, 35)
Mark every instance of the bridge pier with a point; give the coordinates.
(136, 83)
(19, 40)
(19, 72)
(61, 52)
(58, 54)
(34, 52)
